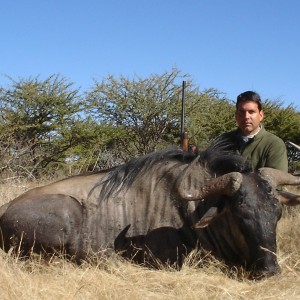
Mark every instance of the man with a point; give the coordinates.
(260, 147)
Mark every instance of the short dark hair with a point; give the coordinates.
(249, 96)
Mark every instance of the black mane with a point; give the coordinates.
(121, 177)
(220, 158)
(216, 159)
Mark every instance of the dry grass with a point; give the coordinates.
(113, 278)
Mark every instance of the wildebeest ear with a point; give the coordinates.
(289, 199)
(212, 214)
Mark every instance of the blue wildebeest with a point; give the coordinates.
(157, 207)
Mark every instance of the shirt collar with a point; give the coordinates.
(250, 136)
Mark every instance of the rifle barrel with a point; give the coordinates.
(182, 107)
(184, 135)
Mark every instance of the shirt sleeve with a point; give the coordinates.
(277, 156)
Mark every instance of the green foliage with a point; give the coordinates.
(284, 122)
(208, 115)
(146, 111)
(96, 149)
(47, 127)
(38, 123)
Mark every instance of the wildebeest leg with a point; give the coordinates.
(42, 224)
(162, 245)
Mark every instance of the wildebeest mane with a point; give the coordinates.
(217, 159)
(121, 177)
(221, 158)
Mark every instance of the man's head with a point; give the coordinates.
(249, 113)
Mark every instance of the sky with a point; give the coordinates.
(228, 45)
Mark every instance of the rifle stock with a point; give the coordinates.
(185, 141)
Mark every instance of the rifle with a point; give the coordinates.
(184, 142)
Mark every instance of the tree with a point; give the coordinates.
(96, 149)
(284, 122)
(145, 111)
(39, 122)
(46, 126)
(208, 115)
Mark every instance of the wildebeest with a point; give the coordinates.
(157, 208)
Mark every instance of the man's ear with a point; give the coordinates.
(261, 113)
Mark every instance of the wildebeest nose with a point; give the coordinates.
(258, 275)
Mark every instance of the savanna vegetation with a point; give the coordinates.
(49, 128)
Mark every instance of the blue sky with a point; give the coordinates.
(230, 45)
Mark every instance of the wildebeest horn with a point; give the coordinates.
(277, 177)
(227, 185)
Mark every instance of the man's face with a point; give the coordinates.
(248, 117)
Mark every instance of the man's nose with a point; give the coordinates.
(247, 115)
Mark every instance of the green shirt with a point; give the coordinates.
(263, 150)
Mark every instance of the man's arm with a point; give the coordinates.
(277, 156)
